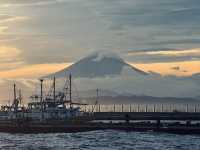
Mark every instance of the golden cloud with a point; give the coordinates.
(10, 58)
(8, 54)
(2, 29)
(185, 68)
(14, 19)
(33, 71)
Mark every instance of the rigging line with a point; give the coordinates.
(76, 90)
(67, 84)
(50, 87)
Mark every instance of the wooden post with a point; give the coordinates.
(154, 108)
(130, 108)
(138, 108)
(146, 109)
(114, 107)
(162, 108)
(122, 108)
(158, 124)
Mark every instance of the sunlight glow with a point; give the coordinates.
(14, 19)
(9, 54)
(185, 68)
(33, 71)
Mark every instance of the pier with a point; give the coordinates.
(181, 119)
(190, 108)
(138, 112)
(179, 116)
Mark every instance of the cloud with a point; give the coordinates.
(9, 24)
(13, 19)
(29, 3)
(153, 85)
(10, 3)
(32, 71)
(165, 55)
(60, 31)
(2, 29)
(178, 41)
(10, 57)
(167, 52)
(9, 54)
(176, 68)
(182, 68)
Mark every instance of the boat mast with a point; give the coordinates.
(54, 89)
(41, 90)
(97, 98)
(70, 90)
(41, 96)
(15, 97)
(16, 100)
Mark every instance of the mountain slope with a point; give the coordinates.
(97, 65)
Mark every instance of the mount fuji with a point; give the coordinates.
(98, 66)
(116, 80)
(115, 77)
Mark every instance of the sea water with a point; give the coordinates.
(100, 140)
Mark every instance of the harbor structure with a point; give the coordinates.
(54, 112)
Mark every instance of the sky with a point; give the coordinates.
(153, 35)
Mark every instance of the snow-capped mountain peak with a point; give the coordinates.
(98, 65)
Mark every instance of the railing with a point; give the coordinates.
(142, 108)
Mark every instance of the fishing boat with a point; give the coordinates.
(50, 113)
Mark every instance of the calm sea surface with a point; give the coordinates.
(100, 140)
